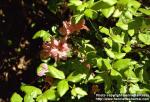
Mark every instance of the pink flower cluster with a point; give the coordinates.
(69, 28)
(56, 49)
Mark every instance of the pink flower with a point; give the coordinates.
(43, 70)
(57, 49)
(69, 28)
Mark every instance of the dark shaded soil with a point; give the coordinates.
(19, 54)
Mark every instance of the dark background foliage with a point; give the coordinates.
(19, 54)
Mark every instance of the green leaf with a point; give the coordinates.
(90, 13)
(130, 75)
(122, 25)
(107, 64)
(108, 83)
(99, 63)
(131, 32)
(62, 87)
(134, 88)
(121, 64)
(31, 90)
(109, 53)
(90, 3)
(16, 98)
(49, 94)
(55, 73)
(28, 98)
(134, 4)
(115, 73)
(77, 91)
(123, 89)
(145, 11)
(123, 2)
(110, 2)
(75, 2)
(107, 12)
(128, 14)
(104, 30)
(145, 38)
(76, 77)
(127, 48)
(118, 39)
(76, 18)
(119, 55)
(100, 5)
(82, 7)
(42, 34)
(98, 78)
(117, 13)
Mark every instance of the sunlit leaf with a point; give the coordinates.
(110, 53)
(42, 34)
(62, 87)
(145, 11)
(90, 13)
(55, 73)
(107, 12)
(49, 94)
(76, 76)
(31, 90)
(121, 64)
(28, 98)
(145, 38)
(16, 98)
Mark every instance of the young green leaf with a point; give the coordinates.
(119, 55)
(145, 38)
(117, 13)
(134, 88)
(90, 13)
(16, 98)
(76, 77)
(76, 18)
(49, 94)
(104, 30)
(107, 12)
(107, 64)
(31, 90)
(130, 75)
(109, 53)
(28, 98)
(145, 11)
(123, 89)
(128, 14)
(42, 34)
(110, 2)
(122, 25)
(100, 5)
(117, 39)
(121, 64)
(99, 63)
(62, 87)
(55, 73)
(75, 2)
(98, 78)
(77, 91)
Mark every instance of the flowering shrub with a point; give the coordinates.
(105, 43)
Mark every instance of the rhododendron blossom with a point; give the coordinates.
(56, 49)
(69, 28)
(43, 70)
